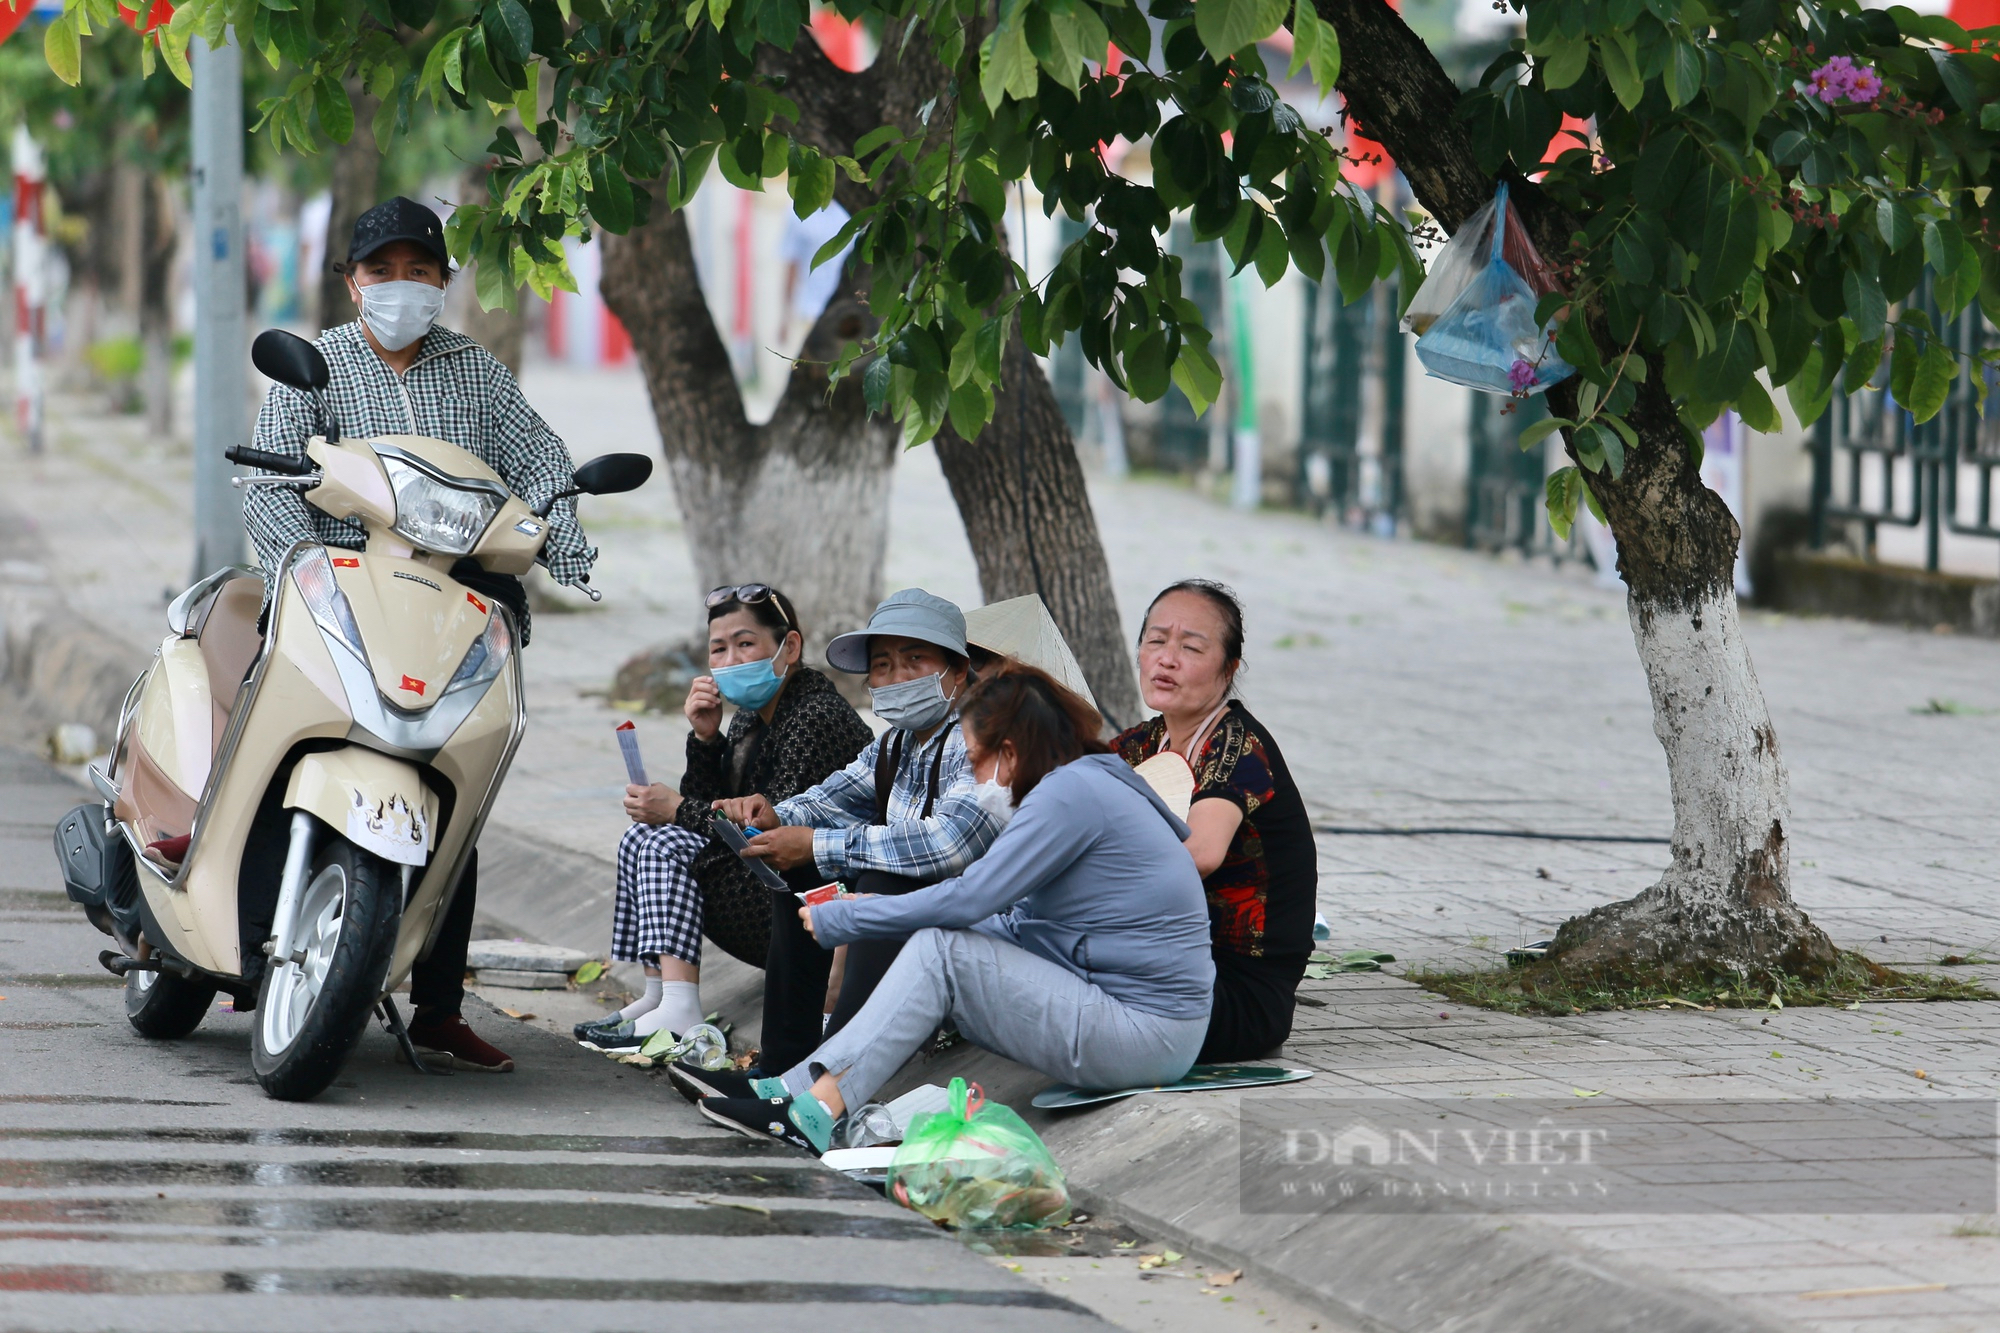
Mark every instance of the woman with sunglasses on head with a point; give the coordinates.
(792, 729)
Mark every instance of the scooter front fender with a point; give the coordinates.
(380, 804)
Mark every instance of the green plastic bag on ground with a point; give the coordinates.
(977, 1166)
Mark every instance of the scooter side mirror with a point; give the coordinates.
(613, 474)
(289, 359)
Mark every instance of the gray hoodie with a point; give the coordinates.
(1090, 874)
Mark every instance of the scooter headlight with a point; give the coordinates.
(435, 515)
(486, 656)
(312, 572)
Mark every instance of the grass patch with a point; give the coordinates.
(1550, 988)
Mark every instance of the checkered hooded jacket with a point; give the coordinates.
(455, 391)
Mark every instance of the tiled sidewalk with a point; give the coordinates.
(1413, 688)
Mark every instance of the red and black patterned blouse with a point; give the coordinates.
(1261, 898)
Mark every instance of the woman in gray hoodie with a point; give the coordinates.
(1078, 945)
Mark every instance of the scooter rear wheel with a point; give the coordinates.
(312, 1007)
(163, 1006)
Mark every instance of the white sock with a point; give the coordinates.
(646, 1003)
(679, 1010)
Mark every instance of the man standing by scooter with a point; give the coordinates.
(394, 372)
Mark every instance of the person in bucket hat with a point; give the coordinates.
(904, 814)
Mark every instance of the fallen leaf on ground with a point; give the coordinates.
(1921, 1074)
(1587, 1092)
(589, 972)
(1225, 1279)
(1153, 1261)
(1127, 1244)
(516, 1013)
(737, 1204)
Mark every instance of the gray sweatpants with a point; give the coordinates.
(1009, 1001)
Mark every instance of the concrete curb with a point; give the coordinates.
(63, 668)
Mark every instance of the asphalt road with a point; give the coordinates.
(153, 1185)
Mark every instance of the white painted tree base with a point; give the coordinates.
(1725, 903)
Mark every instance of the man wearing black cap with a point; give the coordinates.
(394, 372)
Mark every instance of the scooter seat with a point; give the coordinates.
(229, 643)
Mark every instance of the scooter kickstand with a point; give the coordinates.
(394, 1022)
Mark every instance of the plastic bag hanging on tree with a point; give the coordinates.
(1475, 313)
(977, 1166)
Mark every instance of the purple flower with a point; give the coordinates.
(1840, 79)
(1521, 375)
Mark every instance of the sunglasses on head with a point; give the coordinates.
(749, 594)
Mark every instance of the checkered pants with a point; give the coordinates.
(658, 912)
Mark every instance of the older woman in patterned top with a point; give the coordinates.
(1250, 837)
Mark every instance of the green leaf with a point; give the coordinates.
(510, 31)
(1728, 244)
(1621, 67)
(970, 408)
(1535, 432)
(1754, 405)
(1683, 75)
(1866, 305)
(1613, 446)
(1007, 68)
(589, 972)
(610, 196)
(336, 113)
(1725, 369)
(875, 383)
(1146, 371)
(1931, 384)
(1809, 394)
(1894, 223)
(62, 46)
(1227, 26)
(1563, 62)
(1943, 245)
(1561, 491)
(1632, 256)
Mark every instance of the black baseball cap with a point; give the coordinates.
(398, 219)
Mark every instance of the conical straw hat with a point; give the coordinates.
(1022, 627)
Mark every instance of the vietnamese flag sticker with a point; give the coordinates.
(346, 562)
(474, 599)
(413, 685)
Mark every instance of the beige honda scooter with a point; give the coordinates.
(286, 816)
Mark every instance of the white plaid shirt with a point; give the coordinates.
(840, 810)
(455, 391)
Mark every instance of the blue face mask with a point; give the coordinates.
(749, 684)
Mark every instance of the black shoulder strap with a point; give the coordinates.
(888, 758)
(937, 768)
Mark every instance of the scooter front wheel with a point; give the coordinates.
(163, 1006)
(313, 1006)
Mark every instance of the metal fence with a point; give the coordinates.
(1353, 389)
(1873, 465)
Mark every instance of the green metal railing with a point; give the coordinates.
(1873, 465)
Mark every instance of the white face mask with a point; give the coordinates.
(996, 800)
(399, 313)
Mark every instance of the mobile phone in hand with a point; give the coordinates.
(732, 837)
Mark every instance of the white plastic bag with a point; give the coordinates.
(1474, 315)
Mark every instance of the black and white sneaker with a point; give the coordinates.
(612, 1035)
(782, 1118)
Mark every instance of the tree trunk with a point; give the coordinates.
(156, 324)
(801, 502)
(1049, 545)
(1058, 529)
(1725, 904)
(357, 167)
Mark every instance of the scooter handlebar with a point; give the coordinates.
(270, 462)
